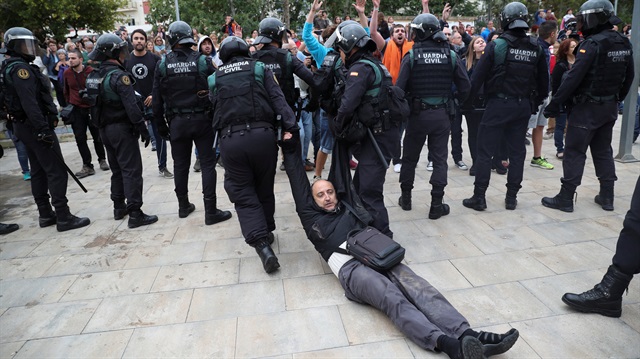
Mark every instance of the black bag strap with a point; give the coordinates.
(353, 211)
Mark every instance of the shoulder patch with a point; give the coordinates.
(582, 51)
(353, 73)
(126, 80)
(276, 80)
(23, 74)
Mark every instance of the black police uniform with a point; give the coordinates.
(119, 117)
(601, 75)
(370, 174)
(246, 100)
(516, 82)
(28, 100)
(427, 74)
(180, 95)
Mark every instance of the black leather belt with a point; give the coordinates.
(247, 126)
(426, 106)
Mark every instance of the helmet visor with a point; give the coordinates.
(25, 46)
(587, 19)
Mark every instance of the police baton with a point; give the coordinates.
(69, 170)
(215, 145)
(377, 148)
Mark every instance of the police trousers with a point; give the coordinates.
(590, 125)
(434, 125)
(123, 151)
(250, 159)
(627, 257)
(48, 174)
(186, 130)
(414, 306)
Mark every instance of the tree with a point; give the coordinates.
(57, 18)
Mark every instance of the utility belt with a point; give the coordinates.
(246, 127)
(384, 123)
(583, 98)
(508, 97)
(186, 111)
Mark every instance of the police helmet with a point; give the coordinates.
(20, 42)
(331, 41)
(108, 46)
(594, 13)
(270, 29)
(571, 24)
(424, 26)
(233, 46)
(353, 35)
(514, 16)
(180, 33)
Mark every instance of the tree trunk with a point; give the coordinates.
(286, 15)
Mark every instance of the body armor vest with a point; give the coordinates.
(184, 82)
(432, 70)
(374, 107)
(515, 66)
(334, 74)
(242, 98)
(279, 62)
(108, 107)
(11, 99)
(608, 71)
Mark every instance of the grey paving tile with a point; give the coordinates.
(609, 243)
(572, 336)
(201, 233)
(237, 300)
(197, 275)
(300, 264)
(520, 350)
(497, 304)
(501, 267)
(111, 284)
(293, 241)
(9, 350)
(315, 291)
(442, 275)
(21, 268)
(78, 263)
(133, 311)
(573, 257)
(289, 332)
(12, 250)
(450, 225)
(386, 349)
(207, 339)
(508, 239)
(513, 219)
(572, 231)
(46, 320)
(220, 249)
(151, 256)
(421, 249)
(366, 324)
(62, 245)
(631, 315)
(102, 345)
(30, 292)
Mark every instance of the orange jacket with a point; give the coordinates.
(393, 57)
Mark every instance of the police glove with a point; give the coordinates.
(144, 134)
(52, 119)
(552, 110)
(292, 144)
(163, 131)
(46, 137)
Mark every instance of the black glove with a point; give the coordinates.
(144, 134)
(46, 137)
(163, 131)
(552, 110)
(52, 119)
(292, 144)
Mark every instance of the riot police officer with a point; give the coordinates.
(601, 76)
(119, 117)
(246, 100)
(180, 97)
(427, 75)
(367, 77)
(515, 75)
(28, 101)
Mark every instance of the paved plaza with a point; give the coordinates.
(181, 289)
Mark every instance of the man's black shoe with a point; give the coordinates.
(8, 228)
(437, 211)
(217, 217)
(69, 222)
(479, 203)
(185, 207)
(405, 200)
(46, 221)
(137, 218)
(605, 298)
(605, 202)
(268, 258)
(562, 201)
(510, 203)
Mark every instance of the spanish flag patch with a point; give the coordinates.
(582, 51)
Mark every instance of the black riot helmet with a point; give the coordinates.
(514, 16)
(233, 46)
(20, 42)
(353, 35)
(425, 26)
(270, 29)
(594, 13)
(331, 41)
(571, 24)
(108, 46)
(180, 33)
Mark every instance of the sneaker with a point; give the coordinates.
(26, 176)
(542, 163)
(397, 167)
(309, 163)
(103, 165)
(196, 166)
(461, 165)
(153, 148)
(430, 166)
(282, 166)
(548, 135)
(165, 173)
(85, 172)
(316, 178)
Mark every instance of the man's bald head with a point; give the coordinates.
(324, 194)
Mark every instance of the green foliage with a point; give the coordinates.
(59, 17)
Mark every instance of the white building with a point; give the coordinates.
(133, 14)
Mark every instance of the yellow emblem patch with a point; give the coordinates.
(23, 74)
(582, 51)
(126, 80)
(353, 74)
(275, 79)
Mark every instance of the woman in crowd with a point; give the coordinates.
(475, 107)
(564, 62)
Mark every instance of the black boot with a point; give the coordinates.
(605, 298)
(212, 214)
(268, 258)
(438, 209)
(405, 200)
(184, 206)
(8, 228)
(119, 210)
(605, 198)
(137, 218)
(67, 221)
(47, 216)
(511, 201)
(477, 201)
(562, 201)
